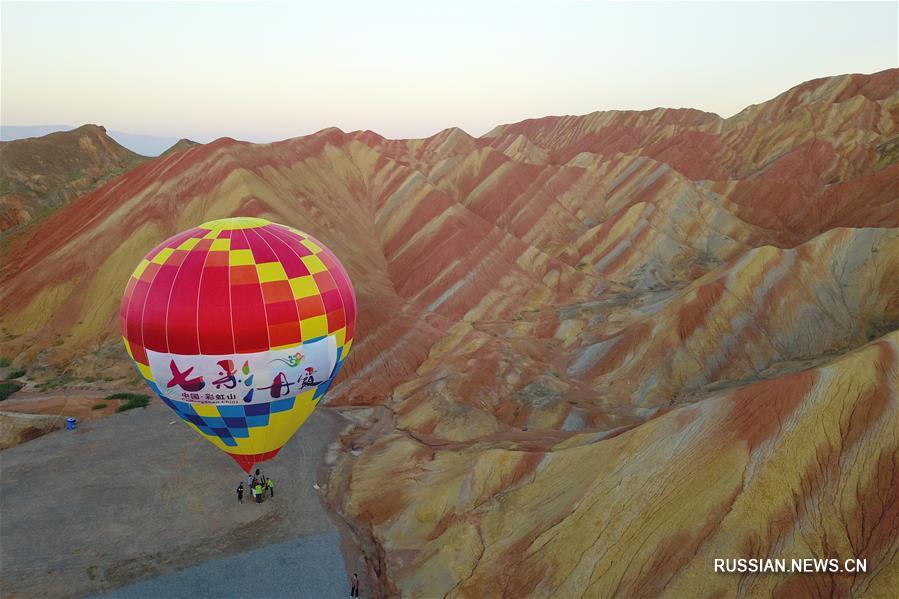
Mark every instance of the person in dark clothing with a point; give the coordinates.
(240, 493)
(354, 585)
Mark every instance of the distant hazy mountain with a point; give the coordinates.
(13, 132)
(146, 145)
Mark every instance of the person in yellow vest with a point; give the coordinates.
(259, 492)
(271, 487)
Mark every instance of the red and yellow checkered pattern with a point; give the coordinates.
(236, 285)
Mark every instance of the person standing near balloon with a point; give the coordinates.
(230, 321)
(240, 493)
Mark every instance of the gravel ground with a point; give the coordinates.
(132, 497)
(307, 567)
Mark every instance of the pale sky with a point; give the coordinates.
(262, 72)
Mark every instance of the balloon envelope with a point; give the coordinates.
(240, 326)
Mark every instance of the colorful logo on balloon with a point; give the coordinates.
(224, 382)
(291, 361)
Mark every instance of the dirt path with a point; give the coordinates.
(131, 497)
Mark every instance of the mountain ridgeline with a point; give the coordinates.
(595, 351)
(40, 174)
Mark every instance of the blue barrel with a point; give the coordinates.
(70, 423)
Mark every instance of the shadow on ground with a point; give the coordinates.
(310, 566)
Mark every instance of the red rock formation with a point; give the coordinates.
(604, 349)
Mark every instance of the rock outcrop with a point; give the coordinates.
(40, 174)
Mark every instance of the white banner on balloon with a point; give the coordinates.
(244, 378)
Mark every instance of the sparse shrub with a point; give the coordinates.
(4, 362)
(7, 388)
(130, 405)
(132, 401)
(99, 406)
(16, 374)
(125, 396)
(57, 381)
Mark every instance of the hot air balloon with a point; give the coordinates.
(240, 326)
